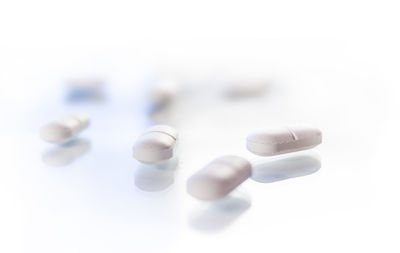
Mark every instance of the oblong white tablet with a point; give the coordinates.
(219, 178)
(156, 145)
(283, 140)
(64, 129)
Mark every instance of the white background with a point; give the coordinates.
(332, 64)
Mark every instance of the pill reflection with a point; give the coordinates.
(218, 215)
(67, 153)
(290, 167)
(158, 177)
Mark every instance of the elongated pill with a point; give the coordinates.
(283, 140)
(156, 145)
(244, 89)
(219, 178)
(64, 129)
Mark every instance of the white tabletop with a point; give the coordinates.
(329, 66)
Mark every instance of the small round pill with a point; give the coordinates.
(219, 178)
(64, 129)
(156, 145)
(283, 140)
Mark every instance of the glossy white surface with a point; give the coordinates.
(332, 64)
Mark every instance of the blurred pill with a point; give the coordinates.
(243, 89)
(219, 178)
(64, 129)
(85, 88)
(283, 140)
(86, 82)
(156, 145)
(163, 93)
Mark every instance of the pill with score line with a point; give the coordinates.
(156, 145)
(283, 140)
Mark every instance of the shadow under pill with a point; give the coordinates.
(66, 153)
(218, 215)
(290, 167)
(155, 178)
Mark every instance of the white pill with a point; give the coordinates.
(249, 88)
(156, 145)
(219, 178)
(85, 82)
(163, 93)
(283, 140)
(64, 129)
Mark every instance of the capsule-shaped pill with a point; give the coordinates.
(283, 140)
(245, 89)
(64, 129)
(219, 178)
(156, 145)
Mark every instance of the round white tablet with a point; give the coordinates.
(156, 145)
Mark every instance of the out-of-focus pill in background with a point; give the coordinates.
(245, 89)
(85, 88)
(162, 93)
